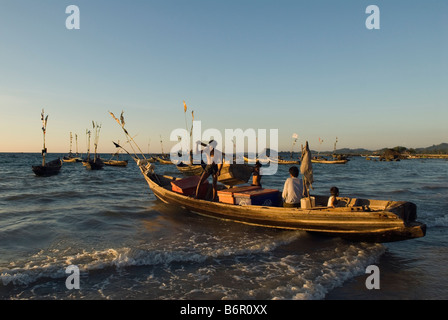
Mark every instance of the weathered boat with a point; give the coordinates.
(116, 163)
(343, 161)
(190, 169)
(163, 160)
(354, 218)
(283, 161)
(93, 164)
(357, 220)
(96, 163)
(272, 160)
(70, 158)
(48, 169)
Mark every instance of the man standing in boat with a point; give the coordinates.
(213, 165)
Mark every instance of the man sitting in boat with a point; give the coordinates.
(333, 201)
(293, 189)
(212, 167)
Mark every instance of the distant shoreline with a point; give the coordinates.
(281, 153)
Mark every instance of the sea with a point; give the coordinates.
(127, 245)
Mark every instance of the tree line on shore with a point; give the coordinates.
(440, 149)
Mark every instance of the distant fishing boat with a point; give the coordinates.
(283, 161)
(336, 158)
(322, 160)
(116, 162)
(190, 169)
(163, 160)
(96, 163)
(47, 168)
(272, 160)
(70, 158)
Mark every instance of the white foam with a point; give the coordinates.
(52, 263)
(252, 270)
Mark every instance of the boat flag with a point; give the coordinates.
(113, 116)
(122, 118)
(44, 121)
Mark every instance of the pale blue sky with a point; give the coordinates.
(305, 67)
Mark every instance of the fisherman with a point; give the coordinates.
(293, 189)
(256, 176)
(212, 166)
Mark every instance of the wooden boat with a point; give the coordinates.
(190, 169)
(329, 161)
(116, 163)
(163, 160)
(70, 158)
(358, 220)
(354, 219)
(48, 169)
(282, 161)
(95, 164)
(278, 161)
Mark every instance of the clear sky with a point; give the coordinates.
(307, 67)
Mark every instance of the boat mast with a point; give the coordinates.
(295, 136)
(334, 151)
(44, 129)
(161, 143)
(97, 129)
(71, 138)
(88, 144)
(76, 139)
(320, 143)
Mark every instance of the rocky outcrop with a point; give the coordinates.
(391, 155)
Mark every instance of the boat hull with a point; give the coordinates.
(269, 160)
(93, 165)
(190, 170)
(50, 169)
(330, 161)
(70, 160)
(163, 161)
(116, 163)
(353, 223)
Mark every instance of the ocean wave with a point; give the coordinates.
(434, 222)
(52, 264)
(312, 275)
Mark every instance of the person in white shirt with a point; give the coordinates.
(293, 189)
(333, 201)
